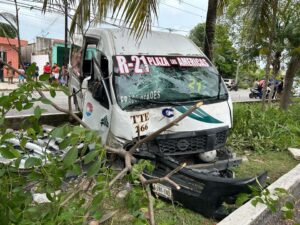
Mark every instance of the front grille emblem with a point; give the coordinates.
(183, 144)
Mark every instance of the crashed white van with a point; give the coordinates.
(127, 89)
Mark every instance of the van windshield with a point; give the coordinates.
(150, 81)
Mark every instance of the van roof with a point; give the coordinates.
(153, 43)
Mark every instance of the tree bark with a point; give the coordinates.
(211, 19)
(293, 68)
(276, 68)
(66, 33)
(18, 36)
(272, 36)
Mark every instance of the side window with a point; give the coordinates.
(89, 54)
(99, 82)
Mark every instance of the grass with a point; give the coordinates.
(165, 214)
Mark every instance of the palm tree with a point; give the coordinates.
(8, 25)
(135, 14)
(211, 20)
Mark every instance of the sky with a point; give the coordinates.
(174, 14)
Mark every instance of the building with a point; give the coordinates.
(9, 51)
(45, 50)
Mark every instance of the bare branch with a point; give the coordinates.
(166, 178)
(150, 205)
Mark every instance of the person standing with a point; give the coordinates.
(55, 73)
(10, 73)
(1, 71)
(36, 74)
(47, 70)
(21, 74)
(64, 76)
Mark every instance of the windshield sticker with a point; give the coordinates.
(152, 95)
(89, 109)
(140, 64)
(140, 122)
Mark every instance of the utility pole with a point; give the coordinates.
(66, 33)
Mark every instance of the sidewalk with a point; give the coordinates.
(9, 87)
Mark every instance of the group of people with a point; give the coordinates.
(278, 87)
(57, 75)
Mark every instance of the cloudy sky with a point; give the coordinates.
(172, 14)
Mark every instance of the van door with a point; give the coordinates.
(97, 101)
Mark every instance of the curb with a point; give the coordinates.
(260, 215)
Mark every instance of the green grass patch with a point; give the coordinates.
(264, 131)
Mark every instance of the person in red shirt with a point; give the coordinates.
(47, 68)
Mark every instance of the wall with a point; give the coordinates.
(10, 47)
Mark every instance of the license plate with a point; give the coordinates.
(162, 191)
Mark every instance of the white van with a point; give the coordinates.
(127, 89)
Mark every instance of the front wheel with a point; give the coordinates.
(251, 95)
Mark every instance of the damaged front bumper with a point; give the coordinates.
(201, 191)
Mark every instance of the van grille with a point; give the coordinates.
(191, 144)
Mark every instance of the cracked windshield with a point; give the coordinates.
(149, 81)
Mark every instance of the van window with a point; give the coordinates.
(89, 54)
(97, 68)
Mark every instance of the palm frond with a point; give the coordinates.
(134, 14)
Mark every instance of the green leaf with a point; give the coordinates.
(289, 205)
(289, 215)
(23, 142)
(90, 156)
(19, 106)
(7, 136)
(31, 70)
(52, 93)
(61, 132)
(65, 143)
(44, 77)
(9, 153)
(28, 105)
(38, 112)
(2, 120)
(45, 101)
(94, 168)
(242, 198)
(71, 156)
(33, 161)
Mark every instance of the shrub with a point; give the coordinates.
(273, 129)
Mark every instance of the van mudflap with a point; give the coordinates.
(199, 191)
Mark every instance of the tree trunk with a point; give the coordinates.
(270, 48)
(276, 68)
(18, 36)
(293, 68)
(66, 33)
(211, 19)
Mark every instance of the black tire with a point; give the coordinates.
(251, 95)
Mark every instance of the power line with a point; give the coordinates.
(58, 11)
(182, 10)
(194, 6)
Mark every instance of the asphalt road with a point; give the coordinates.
(61, 100)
